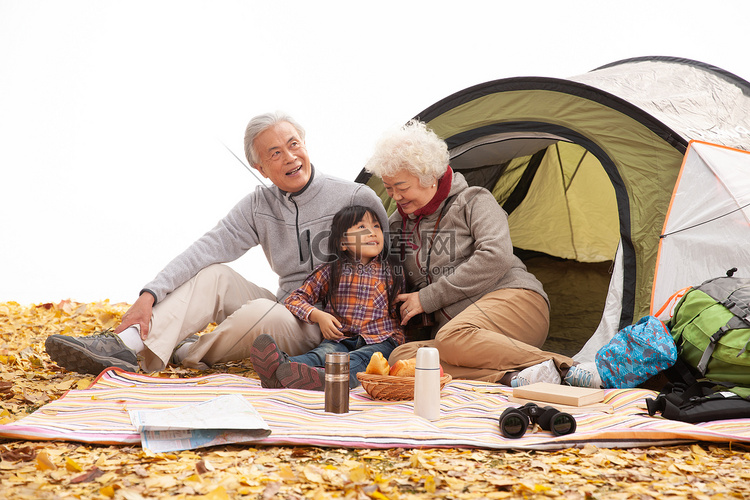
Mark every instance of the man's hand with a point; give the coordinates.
(329, 325)
(411, 306)
(138, 314)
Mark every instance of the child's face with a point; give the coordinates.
(364, 240)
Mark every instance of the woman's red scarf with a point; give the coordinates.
(443, 189)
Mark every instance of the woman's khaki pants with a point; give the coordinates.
(242, 310)
(501, 332)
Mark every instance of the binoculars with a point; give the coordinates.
(515, 421)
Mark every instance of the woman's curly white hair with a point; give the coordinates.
(414, 148)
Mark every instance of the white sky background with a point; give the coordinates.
(112, 114)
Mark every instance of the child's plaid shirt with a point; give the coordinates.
(361, 302)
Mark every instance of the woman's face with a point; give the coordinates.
(406, 190)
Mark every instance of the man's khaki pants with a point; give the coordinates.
(501, 332)
(242, 311)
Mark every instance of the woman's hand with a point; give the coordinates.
(329, 325)
(138, 314)
(411, 306)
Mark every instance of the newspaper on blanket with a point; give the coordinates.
(221, 420)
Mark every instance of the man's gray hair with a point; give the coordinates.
(260, 123)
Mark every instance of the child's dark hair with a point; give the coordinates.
(338, 258)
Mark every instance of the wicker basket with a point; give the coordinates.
(390, 388)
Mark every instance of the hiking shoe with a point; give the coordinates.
(267, 357)
(91, 354)
(543, 372)
(175, 358)
(293, 375)
(584, 375)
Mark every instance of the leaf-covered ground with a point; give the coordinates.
(40, 470)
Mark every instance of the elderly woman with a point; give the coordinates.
(491, 315)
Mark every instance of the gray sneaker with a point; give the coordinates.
(91, 354)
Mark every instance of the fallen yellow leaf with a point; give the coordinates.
(107, 491)
(218, 494)
(286, 473)
(312, 474)
(83, 384)
(72, 465)
(429, 484)
(43, 462)
(358, 474)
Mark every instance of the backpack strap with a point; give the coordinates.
(742, 351)
(676, 397)
(739, 322)
(680, 374)
(741, 312)
(706, 357)
(691, 403)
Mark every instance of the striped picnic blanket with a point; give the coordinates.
(469, 417)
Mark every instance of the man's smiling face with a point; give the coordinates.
(283, 157)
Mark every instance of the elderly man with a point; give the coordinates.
(289, 219)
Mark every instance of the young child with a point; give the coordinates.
(358, 288)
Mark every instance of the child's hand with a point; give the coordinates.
(329, 325)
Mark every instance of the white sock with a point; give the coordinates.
(131, 337)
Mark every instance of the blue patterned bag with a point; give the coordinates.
(636, 353)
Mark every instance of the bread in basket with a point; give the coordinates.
(392, 388)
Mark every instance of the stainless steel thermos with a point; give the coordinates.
(337, 382)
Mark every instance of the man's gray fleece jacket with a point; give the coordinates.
(290, 227)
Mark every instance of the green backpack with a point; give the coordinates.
(711, 328)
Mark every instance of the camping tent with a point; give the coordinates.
(708, 224)
(585, 168)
